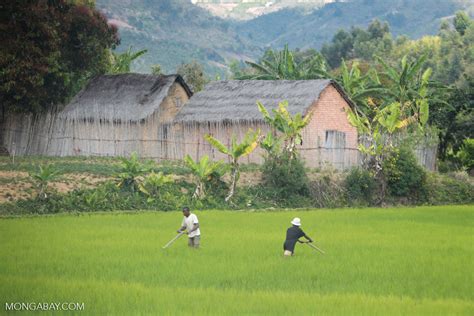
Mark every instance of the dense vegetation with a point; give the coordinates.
(135, 184)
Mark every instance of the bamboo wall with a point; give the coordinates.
(50, 136)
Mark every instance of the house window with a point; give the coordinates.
(177, 102)
(335, 139)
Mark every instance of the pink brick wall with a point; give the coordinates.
(329, 113)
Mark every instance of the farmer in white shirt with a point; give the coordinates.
(191, 224)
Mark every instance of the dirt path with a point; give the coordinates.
(16, 185)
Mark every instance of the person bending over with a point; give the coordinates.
(191, 225)
(293, 234)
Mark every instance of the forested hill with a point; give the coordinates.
(176, 31)
(413, 18)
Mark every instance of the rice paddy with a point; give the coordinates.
(399, 261)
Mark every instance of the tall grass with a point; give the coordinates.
(378, 261)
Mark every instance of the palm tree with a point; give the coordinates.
(235, 152)
(204, 170)
(282, 65)
(289, 125)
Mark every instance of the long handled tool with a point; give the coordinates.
(314, 247)
(173, 240)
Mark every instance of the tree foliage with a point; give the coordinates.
(49, 50)
(193, 74)
(358, 43)
(278, 65)
(409, 106)
(122, 62)
(156, 69)
(361, 88)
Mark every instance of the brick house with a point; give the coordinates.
(226, 108)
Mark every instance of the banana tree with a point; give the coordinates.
(121, 63)
(360, 87)
(235, 152)
(129, 171)
(271, 144)
(378, 132)
(406, 83)
(203, 170)
(289, 125)
(153, 183)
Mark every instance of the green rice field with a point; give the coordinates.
(396, 261)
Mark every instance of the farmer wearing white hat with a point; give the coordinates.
(293, 234)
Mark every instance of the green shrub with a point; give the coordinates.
(466, 154)
(42, 177)
(463, 159)
(449, 189)
(360, 187)
(152, 185)
(207, 174)
(405, 177)
(129, 170)
(327, 189)
(448, 165)
(284, 177)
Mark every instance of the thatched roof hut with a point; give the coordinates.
(235, 100)
(125, 97)
(113, 115)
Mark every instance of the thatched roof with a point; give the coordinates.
(235, 100)
(123, 97)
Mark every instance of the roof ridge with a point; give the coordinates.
(236, 99)
(121, 97)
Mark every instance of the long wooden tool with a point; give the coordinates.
(313, 246)
(173, 240)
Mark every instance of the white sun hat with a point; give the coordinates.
(296, 221)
